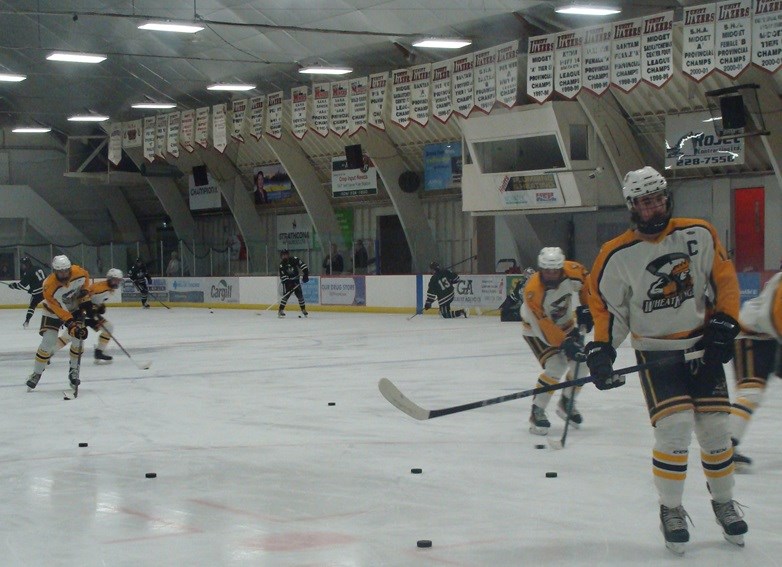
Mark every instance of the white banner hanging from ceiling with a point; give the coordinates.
(299, 111)
(698, 44)
(421, 76)
(626, 54)
(767, 35)
(596, 59)
(508, 73)
(338, 108)
(161, 131)
(690, 141)
(132, 134)
(485, 86)
(463, 84)
(733, 36)
(238, 114)
(378, 84)
(441, 91)
(115, 143)
(274, 114)
(320, 108)
(540, 68)
(567, 63)
(172, 146)
(257, 108)
(186, 130)
(219, 134)
(357, 109)
(657, 49)
(400, 97)
(149, 138)
(202, 127)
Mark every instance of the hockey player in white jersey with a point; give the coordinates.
(669, 284)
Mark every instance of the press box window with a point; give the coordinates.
(519, 154)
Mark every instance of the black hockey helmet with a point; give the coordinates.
(434, 266)
(284, 252)
(25, 261)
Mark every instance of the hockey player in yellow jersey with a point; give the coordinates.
(669, 284)
(550, 325)
(757, 356)
(63, 290)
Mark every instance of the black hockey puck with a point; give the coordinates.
(82, 445)
(299, 316)
(540, 446)
(551, 475)
(424, 543)
(332, 403)
(416, 471)
(151, 475)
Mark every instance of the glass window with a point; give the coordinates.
(519, 154)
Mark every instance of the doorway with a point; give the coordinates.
(394, 254)
(749, 227)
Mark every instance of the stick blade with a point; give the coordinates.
(400, 401)
(556, 444)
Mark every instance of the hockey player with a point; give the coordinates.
(550, 325)
(32, 282)
(93, 307)
(63, 289)
(669, 284)
(441, 288)
(510, 310)
(293, 273)
(141, 279)
(757, 352)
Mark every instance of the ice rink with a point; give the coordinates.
(254, 467)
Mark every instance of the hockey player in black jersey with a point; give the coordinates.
(31, 282)
(141, 278)
(293, 273)
(441, 289)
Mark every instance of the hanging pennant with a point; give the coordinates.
(378, 84)
(733, 36)
(299, 111)
(596, 59)
(767, 35)
(421, 82)
(320, 108)
(463, 84)
(657, 49)
(202, 127)
(357, 110)
(338, 109)
(257, 108)
(698, 44)
(274, 115)
(567, 63)
(485, 79)
(161, 131)
(626, 54)
(540, 67)
(400, 97)
(149, 138)
(186, 130)
(219, 133)
(172, 147)
(238, 113)
(508, 73)
(115, 143)
(441, 91)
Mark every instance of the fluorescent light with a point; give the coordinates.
(442, 43)
(587, 10)
(154, 105)
(230, 87)
(321, 70)
(11, 77)
(76, 57)
(31, 129)
(170, 27)
(88, 118)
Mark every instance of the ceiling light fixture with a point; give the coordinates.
(587, 10)
(11, 77)
(154, 105)
(171, 27)
(442, 43)
(324, 70)
(31, 129)
(76, 57)
(230, 87)
(88, 118)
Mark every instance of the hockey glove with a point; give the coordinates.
(76, 329)
(584, 318)
(573, 347)
(600, 358)
(100, 309)
(305, 278)
(718, 338)
(15, 285)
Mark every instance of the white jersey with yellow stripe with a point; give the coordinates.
(763, 314)
(60, 298)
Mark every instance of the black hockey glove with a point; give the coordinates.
(100, 309)
(584, 318)
(600, 358)
(149, 278)
(305, 278)
(16, 285)
(76, 329)
(718, 338)
(573, 346)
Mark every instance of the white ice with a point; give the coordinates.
(255, 468)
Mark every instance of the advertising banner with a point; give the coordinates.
(294, 232)
(442, 166)
(485, 292)
(343, 290)
(350, 182)
(690, 141)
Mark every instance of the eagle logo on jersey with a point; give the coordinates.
(560, 308)
(673, 285)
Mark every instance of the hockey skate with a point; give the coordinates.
(304, 313)
(673, 525)
(73, 378)
(461, 313)
(26, 324)
(101, 357)
(576, 419)
(730, 520)
(538, 422)
(32, 382)
(280, 313)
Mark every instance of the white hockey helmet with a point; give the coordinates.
(61, 263)
(114, 273)
(640, 182)
(551, 258)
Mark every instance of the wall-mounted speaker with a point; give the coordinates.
(409, 182)
(354, 156)
(200, 176)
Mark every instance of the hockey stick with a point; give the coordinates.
(139, 365)
(400, 401)
(560, 443)
(285, 296)
(421, 312)
(462, 262)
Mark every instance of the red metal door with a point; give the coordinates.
(749, 228)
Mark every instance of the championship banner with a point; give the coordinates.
(691, 141)
(133, 134)
(219, 139)
(567, 63)
(441, 91)
(767, 35)
(463, 84)
(733, 36)
(173, 134)
(378, 84)
(299, 112)
(186, 130)
(274, 115)
(338, 109)
(400, 97)
(161, 131)
(238, 113)
(320, 108)
(540, 68)
(596, 57)
(149, 138)
(115, 143)
(657, 49)
(485, 86)
(507, 73)
(257, 109)
(626, 58)
(202, 127)
(419, 96)
(698, 45)
(357, 109)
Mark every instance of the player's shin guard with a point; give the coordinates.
(672, 436)
(748, 398)
(716, 454)
(45, 350)
(542, 400)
